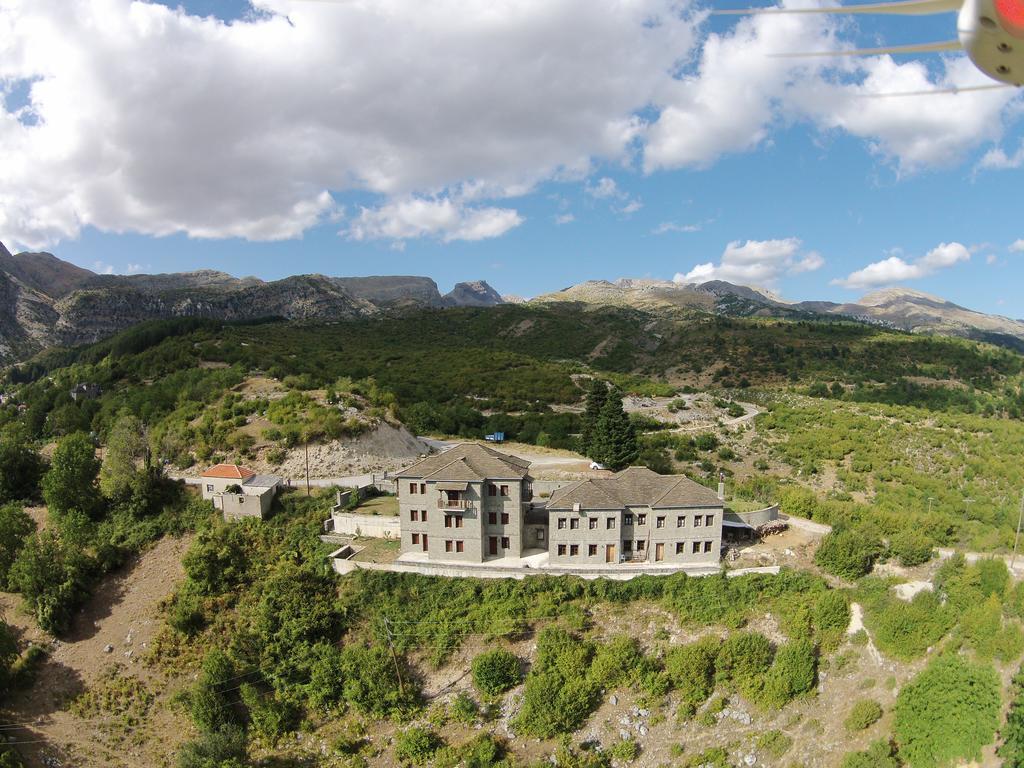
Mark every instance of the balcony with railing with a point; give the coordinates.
(454, 504)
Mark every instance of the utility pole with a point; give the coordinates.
(930, 500)
(306, 446)
(1016, 537)
(394, 656)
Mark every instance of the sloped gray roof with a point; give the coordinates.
(468, 462)
(634, 487)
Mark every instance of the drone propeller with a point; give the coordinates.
(954, 90)
(949, 45)
(899, 8)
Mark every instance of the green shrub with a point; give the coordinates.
(774, 744)
(559, 694)
(863, 714)
(983, 629)
(617, 661)
(463, 709)
(415, 746)
(691, 671)
(911, 547)
(793, 673)
(848, 552)
(270, 717)
(906, 630)
(209, 703)
(496, 671)
(625, 751)
(219, 749)
(217, 562)
(371, 685)
(947, 713)
(742, 659)
(1011, 748)
(881, 754)
(15, 528)
(54, 577)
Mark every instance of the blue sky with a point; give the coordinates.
(810, 184)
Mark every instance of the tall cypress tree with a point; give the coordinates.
(615, 443)
(596, 397)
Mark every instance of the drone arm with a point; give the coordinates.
(898, 8)
(950, 45)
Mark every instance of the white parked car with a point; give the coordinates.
(597, 465)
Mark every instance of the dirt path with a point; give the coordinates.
(121, 615)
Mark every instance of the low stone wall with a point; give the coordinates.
(753, 519)
(371, 526)
(458, 570)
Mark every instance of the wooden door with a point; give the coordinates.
(609, 553)
(424, 542)
(659, 552)
(492, 545)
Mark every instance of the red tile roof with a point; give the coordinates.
(229, 472)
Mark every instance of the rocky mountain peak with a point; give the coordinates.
(476, 293)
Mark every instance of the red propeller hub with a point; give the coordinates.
(1011, 16)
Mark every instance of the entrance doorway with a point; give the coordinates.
(424, 542)
(609, 553)
(659, 552)
(492, 545)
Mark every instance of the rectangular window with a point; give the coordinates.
(505, 543)
(540, 534)
(415, 538)
(609, 523)
(448, 546)
(458, 521)
(504, 518)
(447, 521)
(423, 515)
(492, 489)
(593, 523)
(681, 521)
(680, 548)
(641, 545)
(709, 520)
(241, 499)
(707, 546)
(561, 523)
(592, 550)
(504, 490)
(209, 488)
(423, 487)
(413, 488)
(641, 519)
(627, 546)
(561, 550)
(660, 523)
(628, 520)
(574, 550)
(414, 515)
(697, 521)
(574, 523)
(458, 546)
(492, 518)
(696, 547)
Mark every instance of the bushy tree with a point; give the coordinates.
(744, 657)
(270, 717)
(1011, 737)
(126, 457)
(947, 713)
(496, 671)
(15, 528)
(225, 748)
(210, 703)
(70, 484)
(559, 694)
(20, 467)
(371, 683)
(911, 547)
(217, 561)
(53, 577)
(691, 669)
(793, 673)
(848, 552)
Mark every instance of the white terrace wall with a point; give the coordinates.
(373, 526)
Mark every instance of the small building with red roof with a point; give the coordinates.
(238, 491)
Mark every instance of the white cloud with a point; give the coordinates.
(605, 188)
(441, 218)
(252, 129)
(756, 262)
(670, 226)
(631, 207)
(991, 259)
(245, 129)
(896, 269)
(1017, 246)
(564, 218)
(997, 159)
